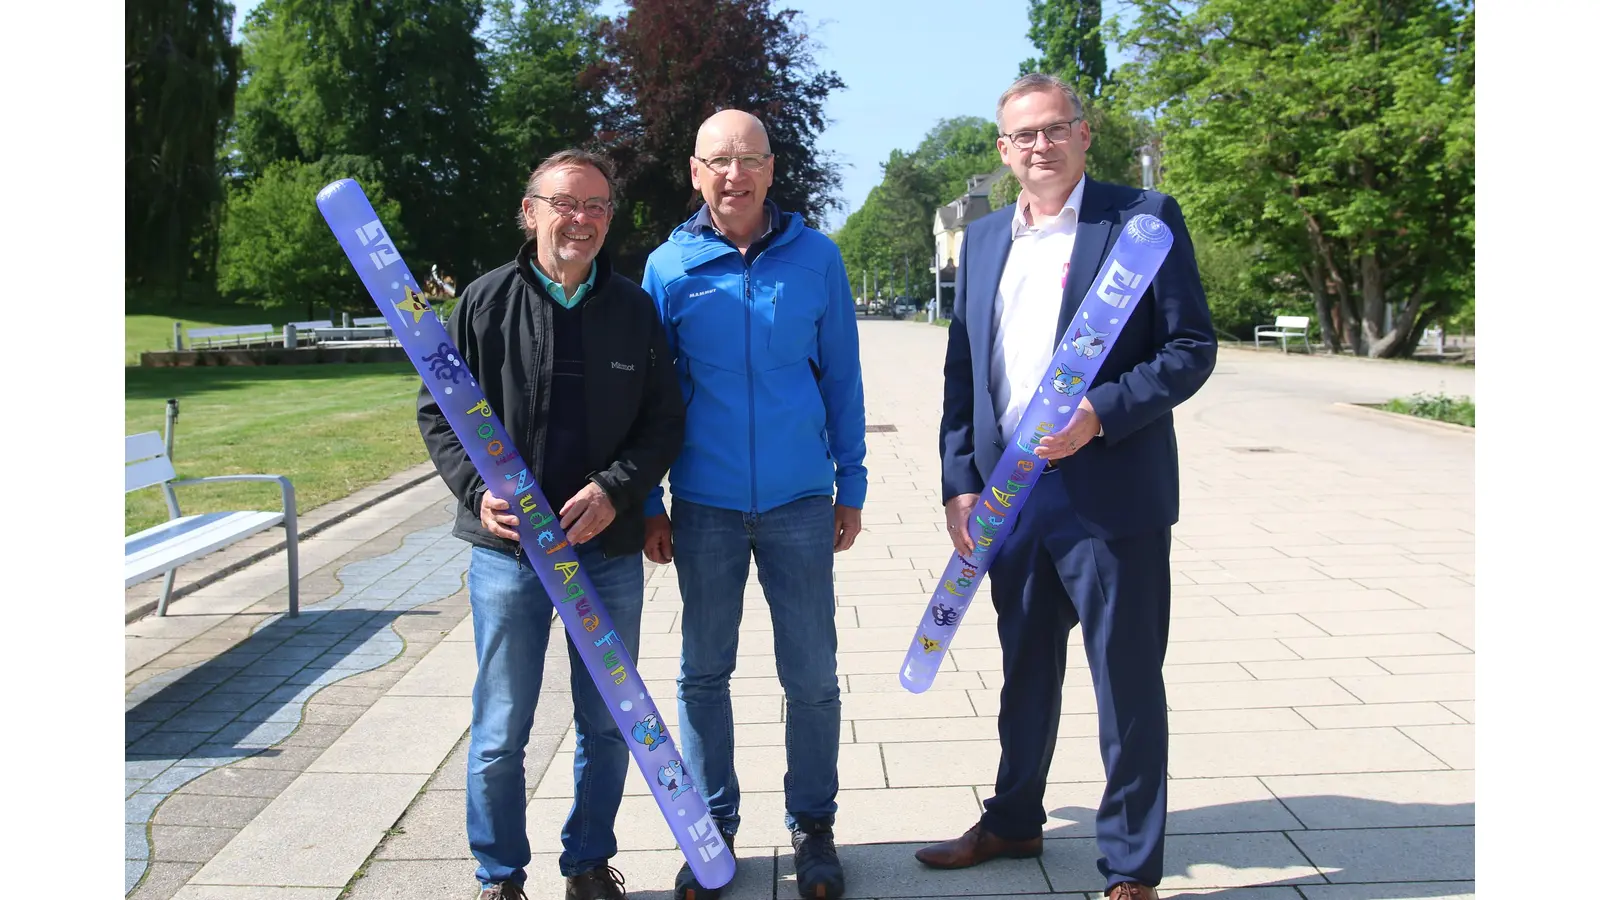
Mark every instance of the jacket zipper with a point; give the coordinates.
(750, 381)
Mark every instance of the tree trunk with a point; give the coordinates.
(1341, 286)
(1372, 304)
(1326, 313)
(1400, 341)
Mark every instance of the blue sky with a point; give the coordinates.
(906, 64)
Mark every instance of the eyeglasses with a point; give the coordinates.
(721, 164)
(567, 207)
(1055, 134)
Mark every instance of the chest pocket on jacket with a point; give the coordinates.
(710, 322)
(795, 303)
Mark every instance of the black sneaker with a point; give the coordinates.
(599, 883)
(816, 863)
(687, 888)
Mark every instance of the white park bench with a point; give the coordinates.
(354, 336)
(1285, 329)
(183, 539)
(298, 328)
(236, 334)
(362, 321)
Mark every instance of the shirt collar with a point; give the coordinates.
(1019, 224)
(702, 220)
(559, 293)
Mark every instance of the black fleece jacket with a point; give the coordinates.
(503, 327)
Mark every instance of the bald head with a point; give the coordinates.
(732, 169)
(730, 133)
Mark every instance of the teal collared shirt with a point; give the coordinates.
(559, 292)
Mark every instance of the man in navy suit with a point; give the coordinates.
(1092, 544)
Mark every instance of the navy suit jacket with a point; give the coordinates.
(1127, 482)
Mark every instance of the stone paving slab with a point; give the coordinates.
(221, 725)
(1320, 673)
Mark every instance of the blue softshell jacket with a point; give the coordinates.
(769, 362)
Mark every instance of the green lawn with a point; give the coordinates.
(333, 429)
(153, 332)
(1455, 410)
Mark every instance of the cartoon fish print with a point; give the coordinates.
(1068, 382)
(649, 731)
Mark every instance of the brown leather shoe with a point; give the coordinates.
(1129, 890)
(977, 846)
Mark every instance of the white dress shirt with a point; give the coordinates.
(1027, 309)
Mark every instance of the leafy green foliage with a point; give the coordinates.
(538, 52)
(1334, 135)
(1456, 410)
(181, 73)
(1235, 288)
(1067, 34)
(276, 247)
(403, 83)
(891, 235)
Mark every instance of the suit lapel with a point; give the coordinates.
(1088, 250)
(992, 249)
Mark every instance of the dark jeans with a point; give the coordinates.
(793, 549)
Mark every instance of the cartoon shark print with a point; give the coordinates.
(671, 777)
(1087, 342)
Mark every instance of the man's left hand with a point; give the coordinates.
(587, 513)
(1084, 426)
(846, 525)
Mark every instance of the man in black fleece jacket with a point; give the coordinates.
(573, 360)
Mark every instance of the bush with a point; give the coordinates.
(444, 306)
(1456, 410)
(1239, 296)
(276, 249)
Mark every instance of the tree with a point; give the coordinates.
(892, 232)
(669, 65)
(402, 83)
(1067, 35)
(276, 247)
(538, 54)
(956, 149)
(181, 73)
(1336, 136)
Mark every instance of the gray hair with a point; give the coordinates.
(567, 159)
(1036, 81)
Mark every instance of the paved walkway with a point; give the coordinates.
(1320, 681)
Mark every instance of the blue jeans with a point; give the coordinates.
(511, 628)
(793, 547)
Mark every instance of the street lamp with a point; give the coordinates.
(1147, 162)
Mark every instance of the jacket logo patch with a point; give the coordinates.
(623, 366)
(702, 293)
